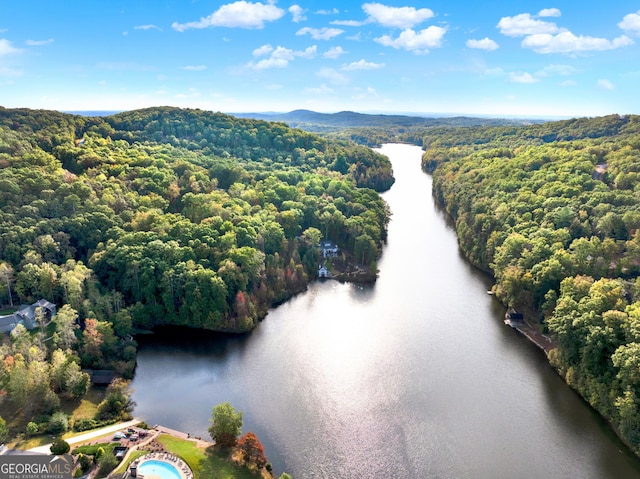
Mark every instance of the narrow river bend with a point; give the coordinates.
(413, 377)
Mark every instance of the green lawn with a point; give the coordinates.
(78, 409)
(31, 442)
(87, 406)
(218, 466)
(207, 463)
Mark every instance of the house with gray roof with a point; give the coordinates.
(26, 315)
(329, 249)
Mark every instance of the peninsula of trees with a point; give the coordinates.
(159, 217)
(553, 212)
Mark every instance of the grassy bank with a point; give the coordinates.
(205, 462)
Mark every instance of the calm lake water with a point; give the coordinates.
(413, 377)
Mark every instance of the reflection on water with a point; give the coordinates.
(413, 377)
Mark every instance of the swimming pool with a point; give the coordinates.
(162, 469)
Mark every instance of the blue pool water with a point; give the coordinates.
(159, 468)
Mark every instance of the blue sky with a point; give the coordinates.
(525, 58)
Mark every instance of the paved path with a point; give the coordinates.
(172, 432)
(46, 449)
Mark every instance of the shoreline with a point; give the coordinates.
(533, 334)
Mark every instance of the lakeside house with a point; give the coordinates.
(26, 315)
(600, 170)
(101, 377)
(323, 272)
(329, 249)
(513, 318)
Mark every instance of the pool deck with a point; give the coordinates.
(181, 466)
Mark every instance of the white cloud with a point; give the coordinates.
(567, 42)
(333, 76)
(239, 14)
(606, 84)
(334, 52)
(320, 33)
(321, 90)
(6, 48)
(362, 65)
(194, 68)
(348, 23)
(280, 57)
(568, 83)
(631, 23)
(524, 24)
(522, 78)
(333, 11)
(399, 17)
(484, 44)
(546, 37)
(549, 12)
(37, 43)
(308, 52)
(269, 63)
(420, 42)
(298, 13)
(283, 53)
(147, 27)
(263, 50)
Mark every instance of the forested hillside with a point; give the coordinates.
(553, 211)
(264, 143)
(163, 217)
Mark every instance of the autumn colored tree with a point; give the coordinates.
(252, 450)
(91, 344)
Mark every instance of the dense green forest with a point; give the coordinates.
(553, 212)
(180, 217)
(159, 217)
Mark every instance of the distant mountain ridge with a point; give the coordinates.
(315, 121)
